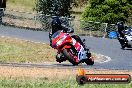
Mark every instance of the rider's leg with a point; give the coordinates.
(121, 40)
(77, 38)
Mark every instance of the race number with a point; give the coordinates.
(82, 53)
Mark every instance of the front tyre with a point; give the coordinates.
(60, 58)
(68, 54)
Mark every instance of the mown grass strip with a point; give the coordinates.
(71, 83)
(14, 50)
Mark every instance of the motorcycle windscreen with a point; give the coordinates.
(56, 34)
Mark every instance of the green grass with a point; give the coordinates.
(20, 51)
(12, 50)
(43, 83)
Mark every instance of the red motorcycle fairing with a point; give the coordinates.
(64, 40)
(76, 44)
(64, 43)
(61, 41)
(74, 57)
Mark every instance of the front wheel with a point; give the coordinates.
(67, 53)
(60, 58)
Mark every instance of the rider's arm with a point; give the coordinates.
(67, 29)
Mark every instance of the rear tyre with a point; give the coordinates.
(89, 61)
(66, 54)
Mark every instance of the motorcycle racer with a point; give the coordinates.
(121, 37)
(69, 47)
(57, 25)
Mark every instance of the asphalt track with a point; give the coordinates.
(120, 59)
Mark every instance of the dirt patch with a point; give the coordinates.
(51, 74)
(33, 73)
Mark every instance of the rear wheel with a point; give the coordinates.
(90, 60)
(67, 53)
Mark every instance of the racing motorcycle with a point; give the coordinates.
(70, 49)
(127, 39)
